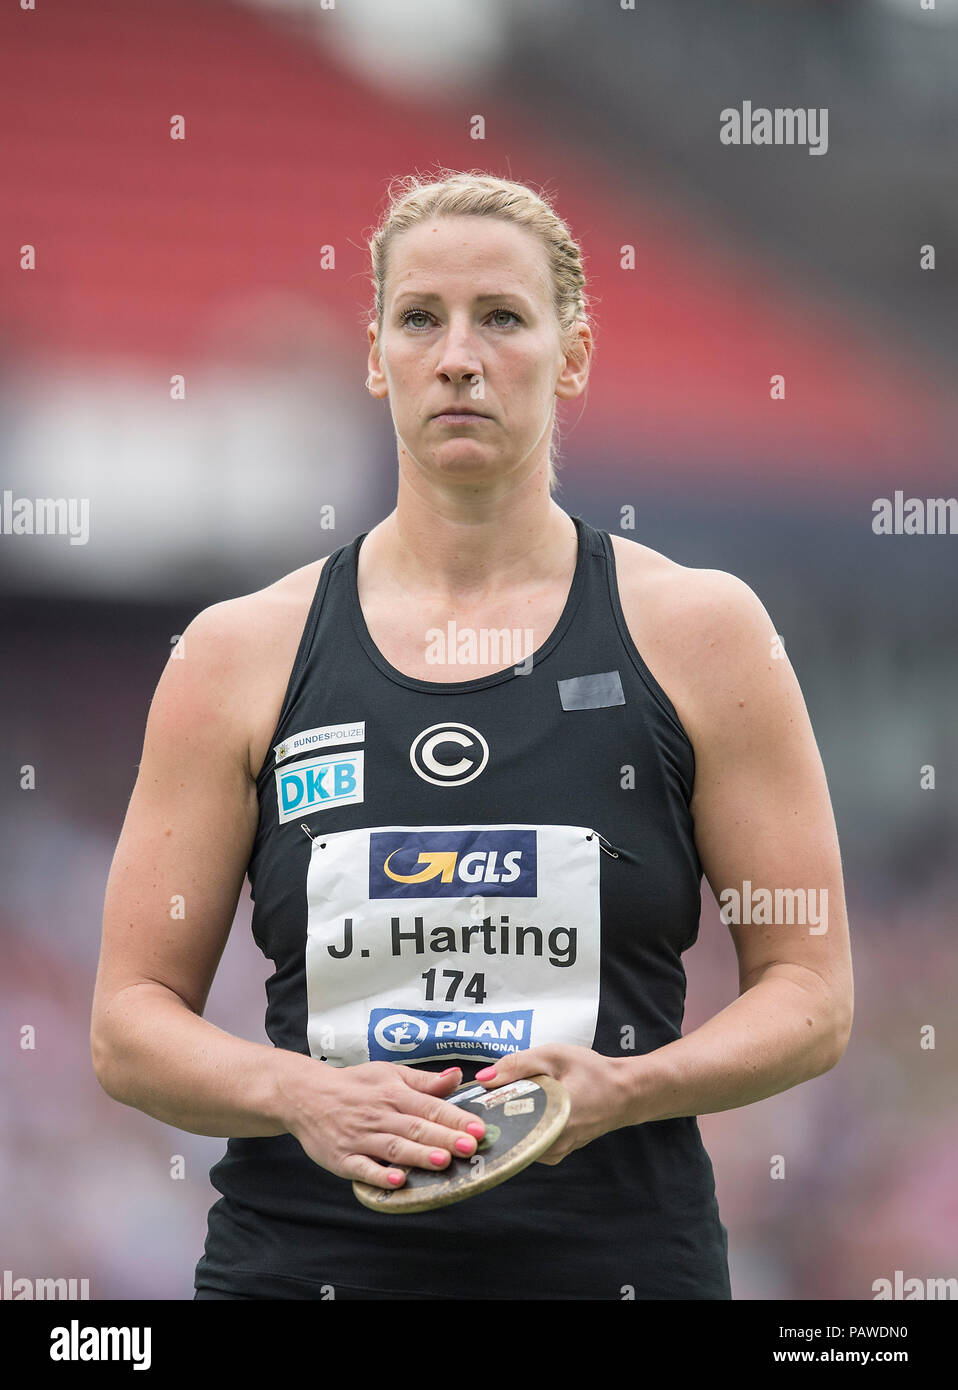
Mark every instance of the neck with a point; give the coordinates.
(469, 544)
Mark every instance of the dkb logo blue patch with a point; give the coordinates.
(317, 783)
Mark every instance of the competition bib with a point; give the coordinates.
(451, 943)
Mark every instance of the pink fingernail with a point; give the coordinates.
(438, 1156)
(448, 1070)
(395, 1178)
(465, 1146)
(476, 1128)
(486, 1075)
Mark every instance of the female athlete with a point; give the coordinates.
(475, 764)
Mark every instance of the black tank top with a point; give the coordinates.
(529, 833)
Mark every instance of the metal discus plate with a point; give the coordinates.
(522, 1119)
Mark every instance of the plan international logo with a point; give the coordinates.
(783, 125)
(423, 1035)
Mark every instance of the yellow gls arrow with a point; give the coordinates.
(439, 861)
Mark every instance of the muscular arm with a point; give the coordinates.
(762, 813)
(172, 892)
(171, 895)
(762, 817)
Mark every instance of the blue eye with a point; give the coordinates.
(408, 314)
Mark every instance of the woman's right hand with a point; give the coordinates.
(356, 1121)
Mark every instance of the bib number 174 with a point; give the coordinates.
(474, 990)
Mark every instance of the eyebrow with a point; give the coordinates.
(479, 298)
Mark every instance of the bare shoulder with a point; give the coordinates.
(241, 651)
(703, 633)
(243, 624)
(652, 587)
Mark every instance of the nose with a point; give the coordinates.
(459, 359)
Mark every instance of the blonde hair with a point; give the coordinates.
(472, 193)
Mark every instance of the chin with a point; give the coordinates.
(468, 463)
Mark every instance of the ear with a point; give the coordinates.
(574, 374)
(376, 381)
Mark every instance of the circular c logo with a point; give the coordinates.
(468, 742)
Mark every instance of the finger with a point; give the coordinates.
(449, 1123)
(400, 1152)
(431, 1081)
(426, 1132)
(550, 1159)
(556, 1152)
(362, 1169)
(420, 1101)
(513, 1068)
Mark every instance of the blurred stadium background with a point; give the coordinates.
(210, 257)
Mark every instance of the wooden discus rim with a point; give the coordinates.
(404, 1201)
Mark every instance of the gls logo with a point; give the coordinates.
(335, 780)
(452, 863)
(464, 753)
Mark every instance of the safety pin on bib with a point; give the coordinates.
(604, 844)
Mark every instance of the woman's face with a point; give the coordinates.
(468, 320)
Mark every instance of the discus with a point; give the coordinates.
(522, 1120)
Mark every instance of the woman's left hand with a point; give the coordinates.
(597, 1085)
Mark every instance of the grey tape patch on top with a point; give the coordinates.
(592, 692)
